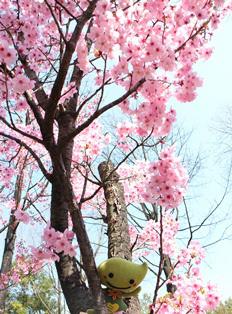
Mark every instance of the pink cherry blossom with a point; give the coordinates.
(7, 53)
(22, 216)
(21, 83)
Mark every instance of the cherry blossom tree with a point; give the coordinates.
(64, 66)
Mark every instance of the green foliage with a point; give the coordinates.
(34, 294)
(223, 308)
(145, 301)
(17, 307)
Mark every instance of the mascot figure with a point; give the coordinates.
(122, 279)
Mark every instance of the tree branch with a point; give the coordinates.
(36, 157)
(56, 21)
(39, 95)
(62, 73)
(99, 112)
(193, 35)
(13, 127)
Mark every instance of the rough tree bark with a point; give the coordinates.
(9, 247)
(168, 270)
(7, 257)
(76, 293)
(118, 235)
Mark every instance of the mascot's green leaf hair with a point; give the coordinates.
(122, 279)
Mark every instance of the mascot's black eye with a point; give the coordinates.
(131, 281)
(111, 275)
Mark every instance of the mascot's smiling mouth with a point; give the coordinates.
(117, 287)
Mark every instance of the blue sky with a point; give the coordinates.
(202, 116)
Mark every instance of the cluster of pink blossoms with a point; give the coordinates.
(20, 83)
(7, 151)
(161, 46)
(7, 279)
(54, 242)
(6, 175)
(148, 240)
(25, 264)
(153, 116)
(194, 253)
(22, 216)
(7, 53)
(191, 296)
(189, 83)
(90, 143)
(162, 182)
(168, 181)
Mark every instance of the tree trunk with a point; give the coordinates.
(7, 257)
(168, 271)
(75, 291)
(118, 234)
(77, 295)
(8, 252)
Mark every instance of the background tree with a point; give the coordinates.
(223, 308)
(36, 293)
(146, 300)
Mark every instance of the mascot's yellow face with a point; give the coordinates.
(121, 275)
